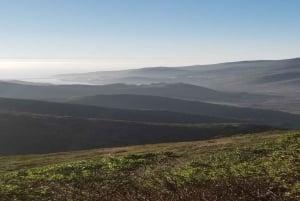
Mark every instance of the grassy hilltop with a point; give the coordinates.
(263, 166)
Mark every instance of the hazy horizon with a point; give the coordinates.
(42, 38)
(23, 69)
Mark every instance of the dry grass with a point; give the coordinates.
(9, 163)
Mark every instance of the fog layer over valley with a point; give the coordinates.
(265, 84)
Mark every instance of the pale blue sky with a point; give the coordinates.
(53, 36)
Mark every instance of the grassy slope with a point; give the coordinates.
(261, 166)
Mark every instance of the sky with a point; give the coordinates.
(43, 37)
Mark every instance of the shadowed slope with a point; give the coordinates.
(74, 110)
(27, 133)
(192, 107)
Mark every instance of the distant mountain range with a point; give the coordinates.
(224, 76)
(265, 77)
(149, 105)
(174, 90)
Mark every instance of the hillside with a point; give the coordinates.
(261, 166)
(176, 90)
(28, 133)
(63, 93)
(73, 110)
(192, 107)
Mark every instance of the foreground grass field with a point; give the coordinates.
(263, 166)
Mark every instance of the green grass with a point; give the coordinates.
(263, 166)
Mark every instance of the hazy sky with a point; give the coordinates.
(39, 37)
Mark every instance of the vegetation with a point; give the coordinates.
(262, 166)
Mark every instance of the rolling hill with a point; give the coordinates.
(83, 111)
(225, 76)
(65, 93)
(192, 107)
(275, 78)
(151, 109)
(32, 134)
(175, 90)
